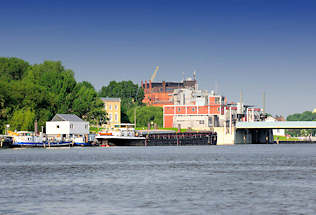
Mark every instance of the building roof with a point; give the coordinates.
(107, 99)
(67, 117)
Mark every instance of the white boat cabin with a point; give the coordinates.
(27, 137)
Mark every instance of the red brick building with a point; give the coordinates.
(197, 115)
(160, 93)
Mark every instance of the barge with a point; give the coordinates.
(157, 138)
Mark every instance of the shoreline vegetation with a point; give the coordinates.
(30, 93)
(284, 138)
(305, 116)
(37, 92)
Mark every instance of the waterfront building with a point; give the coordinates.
(201, 110)
(160, 93)
(113, 108)
(66, 126)
(192, 108)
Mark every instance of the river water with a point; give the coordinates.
(238, 179)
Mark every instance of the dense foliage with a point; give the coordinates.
(145, 115)
(129, 92)
(305, 116)
(38, 92)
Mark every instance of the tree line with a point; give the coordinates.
(37, 92)
(305, 116)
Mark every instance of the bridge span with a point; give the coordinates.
(277, 125)
(259, 132)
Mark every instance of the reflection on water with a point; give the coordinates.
(240, 179)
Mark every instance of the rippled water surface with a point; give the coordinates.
(240, 179)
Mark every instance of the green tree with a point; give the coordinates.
(126, 90)
(145, 115)
(29, 92)
(58, 82)
(23, 119)
(87, 104)
(12, 68)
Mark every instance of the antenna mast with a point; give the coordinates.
(264, 103)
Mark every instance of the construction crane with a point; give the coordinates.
(154, 74)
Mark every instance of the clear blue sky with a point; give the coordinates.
(255, 45)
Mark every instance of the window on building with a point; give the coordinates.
(86, 126)
(179, 109)
(217, 99)
(71, 126)
(105, 106)
(116, 107)
(110, 117)
(201, 122)
(110, 107)
(57, 126)
(116, 117)
(218, 109)
(193, 109)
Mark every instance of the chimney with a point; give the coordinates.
(150, 86)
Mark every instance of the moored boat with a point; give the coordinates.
(80, 141)
(87, 140)
(28, 139)
(120, 135)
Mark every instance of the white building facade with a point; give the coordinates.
(67, 126)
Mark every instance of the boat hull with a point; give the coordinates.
(120, 141)
(44, 144)
(82, 144)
